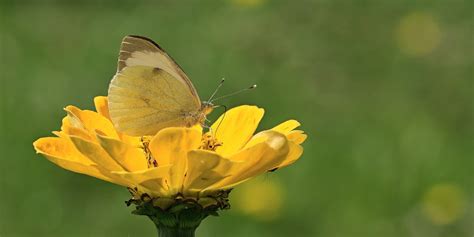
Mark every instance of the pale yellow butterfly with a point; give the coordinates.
(150, 91)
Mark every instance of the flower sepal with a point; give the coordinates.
(179, 216)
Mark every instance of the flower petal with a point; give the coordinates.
(205, 168)
(129, 157)
(256, 159)
(297, 136)
(90, 121)
(171, 146)
(73, 131)
(102, 106)
(294, 137)
(60, 147)
(286, 126)
(258, 138)
(94, 152)
(236, 128)
(152, 179)
(62, 153)
(293, 155)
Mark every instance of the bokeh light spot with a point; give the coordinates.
(418, 34)
(443, 204)
(261, 199)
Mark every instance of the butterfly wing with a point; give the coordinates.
(149, 91)
(141, 51)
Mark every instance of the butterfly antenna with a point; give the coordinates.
(223, 117)
(217, 89)
(234, 93)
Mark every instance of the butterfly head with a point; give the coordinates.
(207, 107)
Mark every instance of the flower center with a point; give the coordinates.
(209, 142)
(149, 157)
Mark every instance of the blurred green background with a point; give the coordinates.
(383, 88)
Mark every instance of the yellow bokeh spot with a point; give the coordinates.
(248, 3)
(261, 199)
(444, 203)
(418, 34)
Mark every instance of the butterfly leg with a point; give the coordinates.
(204, 125)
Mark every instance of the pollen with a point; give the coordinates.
(209, 142)
(149, 157)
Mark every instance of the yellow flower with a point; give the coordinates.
(177, 161)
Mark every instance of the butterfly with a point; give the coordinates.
(150, 91)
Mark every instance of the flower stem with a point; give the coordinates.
(164, 231)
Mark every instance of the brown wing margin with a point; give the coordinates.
(133, 43)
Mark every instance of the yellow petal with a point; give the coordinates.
(152, 179)
(257, 159)
(90, 121)
(129, 157)
(71, 125)
(286, 126)
(74, 131)
(133, 141)
(62, 153)
(94, 152)
(294, 137)
(297, 136)
(259, 138)
(205, 168)
(293, 155)
(102, 106)
(60, 147)
(171, 146)
(236, 128)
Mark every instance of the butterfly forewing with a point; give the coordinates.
(149, 91)
(141, 51)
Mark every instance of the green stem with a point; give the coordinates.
(181, 220)
(164, 231)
